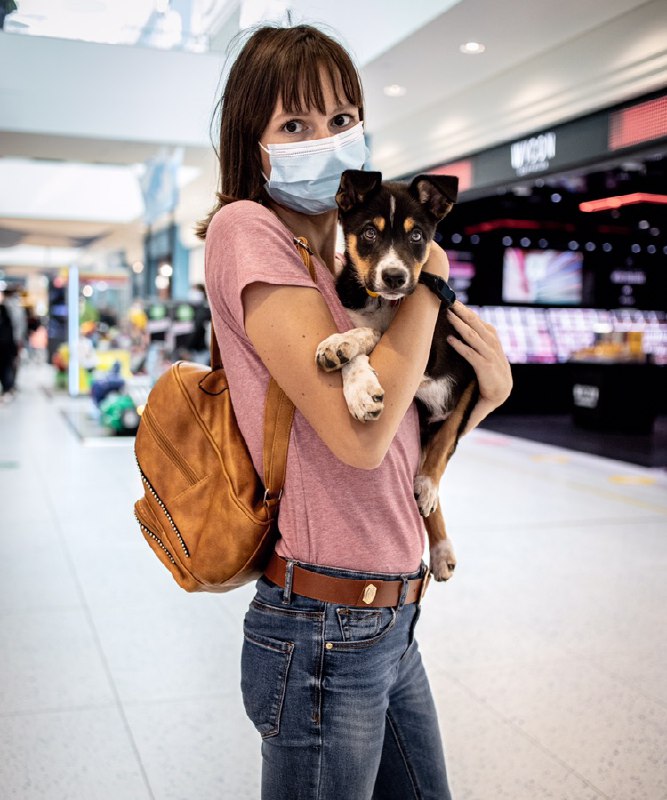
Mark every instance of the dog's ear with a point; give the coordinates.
(436, 192)
(355, 186)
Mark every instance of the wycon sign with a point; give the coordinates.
(534, 154)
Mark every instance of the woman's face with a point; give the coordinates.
(288, 126)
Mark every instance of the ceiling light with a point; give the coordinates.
(395, 90)
(472, 48)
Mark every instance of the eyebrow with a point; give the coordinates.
(305, 114)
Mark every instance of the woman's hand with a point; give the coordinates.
(482, 349)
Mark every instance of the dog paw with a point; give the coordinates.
(363, 393)
(336, 351)
(442, 560)
(426, 494)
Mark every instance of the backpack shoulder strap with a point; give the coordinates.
(279, 413)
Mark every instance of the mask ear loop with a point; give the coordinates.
(269, 155)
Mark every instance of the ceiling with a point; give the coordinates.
(532, 70)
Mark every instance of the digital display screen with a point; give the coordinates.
(543, 277)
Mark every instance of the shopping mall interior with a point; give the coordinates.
(546, 650)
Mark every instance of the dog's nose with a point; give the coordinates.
(394, 278)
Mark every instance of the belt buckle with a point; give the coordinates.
(369, 593)
(425, 582)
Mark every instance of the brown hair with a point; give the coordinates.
(274, 60)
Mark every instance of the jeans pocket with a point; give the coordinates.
(357, 624)
(361, 628)
(264, 666)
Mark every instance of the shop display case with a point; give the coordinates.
(555, 335)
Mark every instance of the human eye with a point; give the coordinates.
(293, 126)
(342, 120)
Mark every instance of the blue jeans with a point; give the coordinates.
(340, 698)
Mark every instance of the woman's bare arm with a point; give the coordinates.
(285, 324)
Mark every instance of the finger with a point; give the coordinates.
(486, 332)
(458, 310)
(469, 334)
(471, 355)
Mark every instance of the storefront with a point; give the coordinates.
(560, 240)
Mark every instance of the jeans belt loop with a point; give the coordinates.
(287, 591)
(404, 593)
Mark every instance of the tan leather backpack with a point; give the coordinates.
(205, 512)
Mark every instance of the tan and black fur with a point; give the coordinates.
(389, 229)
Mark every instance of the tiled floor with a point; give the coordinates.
(547, 652)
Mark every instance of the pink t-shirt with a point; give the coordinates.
(330, 513)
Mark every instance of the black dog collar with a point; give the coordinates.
(439, 287)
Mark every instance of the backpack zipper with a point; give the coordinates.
(162, 506)
(155, 538)
(168, 448)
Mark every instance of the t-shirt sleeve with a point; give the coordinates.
(246, 243)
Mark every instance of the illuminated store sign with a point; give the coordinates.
(534, 154)
(564, 147)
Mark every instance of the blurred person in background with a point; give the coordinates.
(19, 319)
(8, 352)
(6, 8)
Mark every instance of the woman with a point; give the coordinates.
(8, 352)
(332, 677)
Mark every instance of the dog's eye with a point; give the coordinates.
(370, 234)
(416, 235)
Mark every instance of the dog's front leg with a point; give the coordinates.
(340, 348)
(362, 390)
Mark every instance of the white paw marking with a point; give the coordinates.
(442, 560)
(362, 390)
(335, 351)
(426, 494)
(340, 348)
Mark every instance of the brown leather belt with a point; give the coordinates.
(345, 591)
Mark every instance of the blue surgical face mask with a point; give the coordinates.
(305, 175)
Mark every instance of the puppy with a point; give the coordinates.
(389, 230)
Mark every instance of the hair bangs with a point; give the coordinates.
(301, 80)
